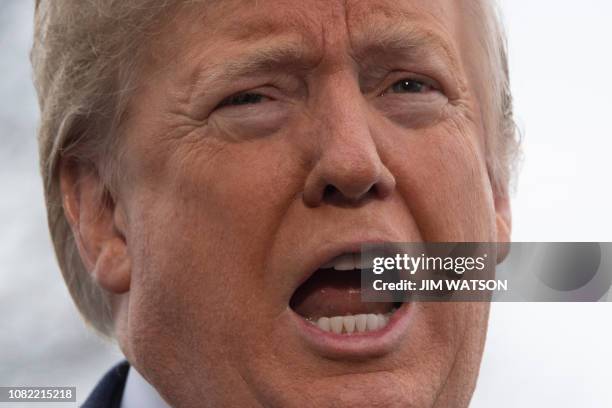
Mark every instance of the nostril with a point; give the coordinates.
(334, 195)
(330, 193)
(346, 188)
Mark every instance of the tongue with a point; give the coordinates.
(333, 293)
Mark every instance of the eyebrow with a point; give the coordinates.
(407, 39)
(284, 55)
(293, 54)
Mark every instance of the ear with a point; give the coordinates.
(503, 221)
(98, 226)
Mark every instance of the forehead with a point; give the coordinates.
(313, 17)
(317, 24)
(207, 41)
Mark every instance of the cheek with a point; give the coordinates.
(202, 244)
(441, 172)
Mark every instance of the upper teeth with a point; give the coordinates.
(347, 262)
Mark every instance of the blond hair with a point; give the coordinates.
(85, 58)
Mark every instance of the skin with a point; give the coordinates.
(220, 206)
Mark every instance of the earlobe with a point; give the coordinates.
(97, 228)
(112, 270)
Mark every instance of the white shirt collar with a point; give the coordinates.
(139, 393)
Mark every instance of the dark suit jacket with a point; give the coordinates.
(109, 390)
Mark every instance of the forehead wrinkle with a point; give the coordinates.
(262, 43)
(387, 31)
(259, 25)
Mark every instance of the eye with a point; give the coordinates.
(409, 85)
(245, 98)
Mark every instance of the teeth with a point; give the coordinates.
(323, 323)
(350, 324)
(365, 263)
(372, 322)
(344, 262)
(337, 322)
(360, 322)
(328, 265)
(348, 262)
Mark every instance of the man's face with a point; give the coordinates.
(269, 138)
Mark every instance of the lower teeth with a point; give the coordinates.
(350, 324)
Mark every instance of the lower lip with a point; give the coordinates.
(356, 345)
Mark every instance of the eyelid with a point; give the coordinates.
(264, 92)
(397, 76)
(226, 101)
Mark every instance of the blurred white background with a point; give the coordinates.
(537, 355)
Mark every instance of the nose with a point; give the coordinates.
(348, 168)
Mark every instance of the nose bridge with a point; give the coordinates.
(348, 162)
(345, 132)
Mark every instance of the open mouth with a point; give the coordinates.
(330, 299)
